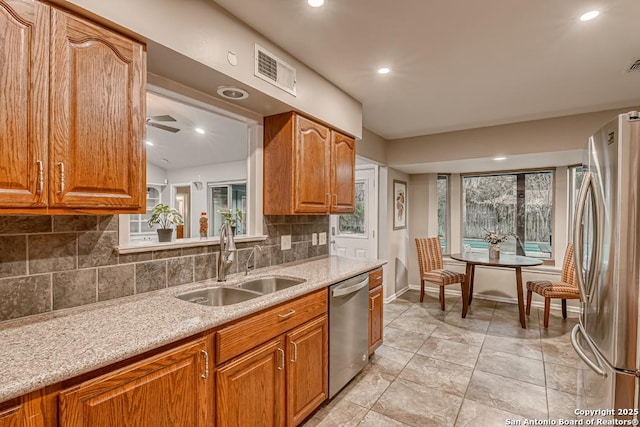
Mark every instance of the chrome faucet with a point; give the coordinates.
(253, 251)
(227, 252)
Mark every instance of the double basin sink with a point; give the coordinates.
(222, 296)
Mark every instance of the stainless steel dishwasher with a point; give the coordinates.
(348, 330)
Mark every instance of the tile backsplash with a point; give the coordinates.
(54, 262)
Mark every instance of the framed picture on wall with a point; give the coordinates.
(399, 204)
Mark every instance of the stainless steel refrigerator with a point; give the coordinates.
(607, 258)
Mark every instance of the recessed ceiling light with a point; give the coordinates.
(315, 3)
(200, 131)
(231, 92)
(149, 143)
(499, 158)
(590, 15)
(384, 70)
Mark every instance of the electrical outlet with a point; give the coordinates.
(285, 242)
(322, 238)
(314, 239)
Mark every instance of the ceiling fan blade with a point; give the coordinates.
(163, 118)
(163, 127)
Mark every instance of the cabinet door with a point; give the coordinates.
(250, 388)
(376, 310)
(97, 157)
(173, 389)
(307, 369)
(24, 77)
(343, 178)
(311, 169)
(25, 411)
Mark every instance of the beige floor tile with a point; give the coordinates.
(390, 360)
(519, 346)
(561, 352)
(563, 405)
(511, 366)
(454, 333)
(511, 328)
(451, 351)
(454, 318)
(344, 413)
(417, 405)
(474, 414)
(367, 387)
(374, 419)
(564, 378)
(438, 374)
(508, 394)
(404, 340)
(412, 323)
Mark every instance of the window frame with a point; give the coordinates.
(515, 172)
(447, 214)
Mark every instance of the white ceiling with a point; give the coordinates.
(225, 139)
(460, 64)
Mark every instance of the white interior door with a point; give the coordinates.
(355, 235)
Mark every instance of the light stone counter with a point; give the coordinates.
(43, 350)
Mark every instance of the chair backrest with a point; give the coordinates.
(429, 254)
(569, 267)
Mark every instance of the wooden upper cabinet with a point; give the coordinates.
(172, 389)
(24, 97)
(97, 157)
(343, 163)
(308, 167)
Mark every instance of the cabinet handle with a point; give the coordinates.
(61, 177)
(281, 367)
(377, 277)
(206, 364)
(286, 315)
(295, 352)
(40, 177)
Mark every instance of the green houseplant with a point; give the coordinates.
(233, 218)
(163, 216)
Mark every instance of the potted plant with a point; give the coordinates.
(231, 217)
(494, 239)
(163, 216)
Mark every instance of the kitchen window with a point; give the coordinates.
(517, 203)
(576, 174)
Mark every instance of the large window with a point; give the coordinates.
(443, 211)
(519, 204)
(576, 174)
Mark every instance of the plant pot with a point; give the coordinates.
(494, 250)
(165, 234)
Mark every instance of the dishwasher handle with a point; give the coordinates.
(339, 291)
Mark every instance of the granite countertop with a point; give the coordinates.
(44, 350)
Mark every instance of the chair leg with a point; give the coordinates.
(547, 308)
(529, 294)
(442, 298)
(564, 308)
(421, 290)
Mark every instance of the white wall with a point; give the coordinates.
(423, 221)
(372, 147)
(203, 32)
(397, 241)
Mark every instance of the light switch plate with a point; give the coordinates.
(314, 239)
(285, 242)
(322, 238)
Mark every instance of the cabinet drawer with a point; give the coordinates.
(258, 328)
(375, 278)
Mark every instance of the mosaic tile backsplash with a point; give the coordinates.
(50, 263)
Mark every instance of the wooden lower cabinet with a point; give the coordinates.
(250, 388)
(376, 311)
(307, 369)
(25, 411)
(171, 389)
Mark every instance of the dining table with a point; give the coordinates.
(505, 261)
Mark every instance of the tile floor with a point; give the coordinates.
(437, 369)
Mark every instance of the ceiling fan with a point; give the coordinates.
(151, 121)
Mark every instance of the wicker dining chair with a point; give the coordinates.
(431, 267)
(566, 289)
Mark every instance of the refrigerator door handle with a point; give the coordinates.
(597, 368)
(578, 238)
